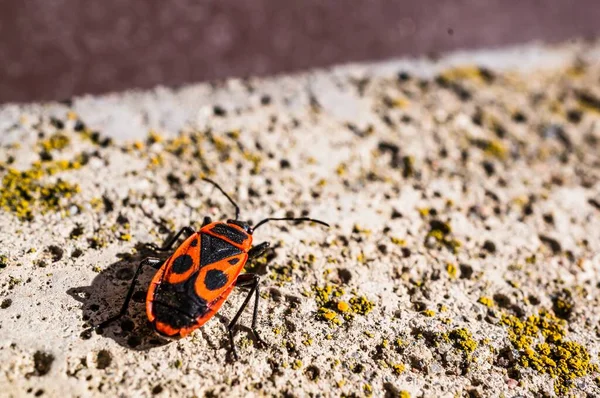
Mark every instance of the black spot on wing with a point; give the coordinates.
(182, 264)
(214, 249)
(229, 232)
(177, 304)
(194, 243)
(171, 316)
(234, 261)
(215, 279)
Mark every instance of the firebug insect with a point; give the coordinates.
(192, 284)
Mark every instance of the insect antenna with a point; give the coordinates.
(237, 208)
(266, 220)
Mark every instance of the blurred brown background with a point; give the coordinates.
(54, 49)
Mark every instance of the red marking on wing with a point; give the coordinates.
(165, 273)
(187, 248)
(228, 270)
(214, 297)
(156, 280)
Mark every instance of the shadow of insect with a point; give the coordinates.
(105, 295)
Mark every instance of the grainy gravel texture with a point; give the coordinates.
(463, 257)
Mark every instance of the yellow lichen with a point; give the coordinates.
(326, 293)
(437, 235)
(441, 232)
(3, 261)
(452, 270)
(361, 305)
(423, 211)
(156, 161)
(56, 141)
(24, 192)
(563, 304)
(179, 145)
(470, 72)
(153, 137)
(341, 169)
(540, 341)
(360, 230)
(329, 315)
(125, 237)
(488, 302)
(496, 149)
(255, 159)
(234, 134)
(279, 274)
(361, 258)
(96, 203)
(398, 241)
(333, 309)
(297, 364)
(399, 368)
(97, 242)
(463, 340)
(310, 258)
(400, 102)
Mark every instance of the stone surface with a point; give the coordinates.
(462, 258)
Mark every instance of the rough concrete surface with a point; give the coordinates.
(462, 258)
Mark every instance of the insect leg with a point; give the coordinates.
(251, 281)
(257, 250)
(206, 221)
(151, 261)
(188, 231)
